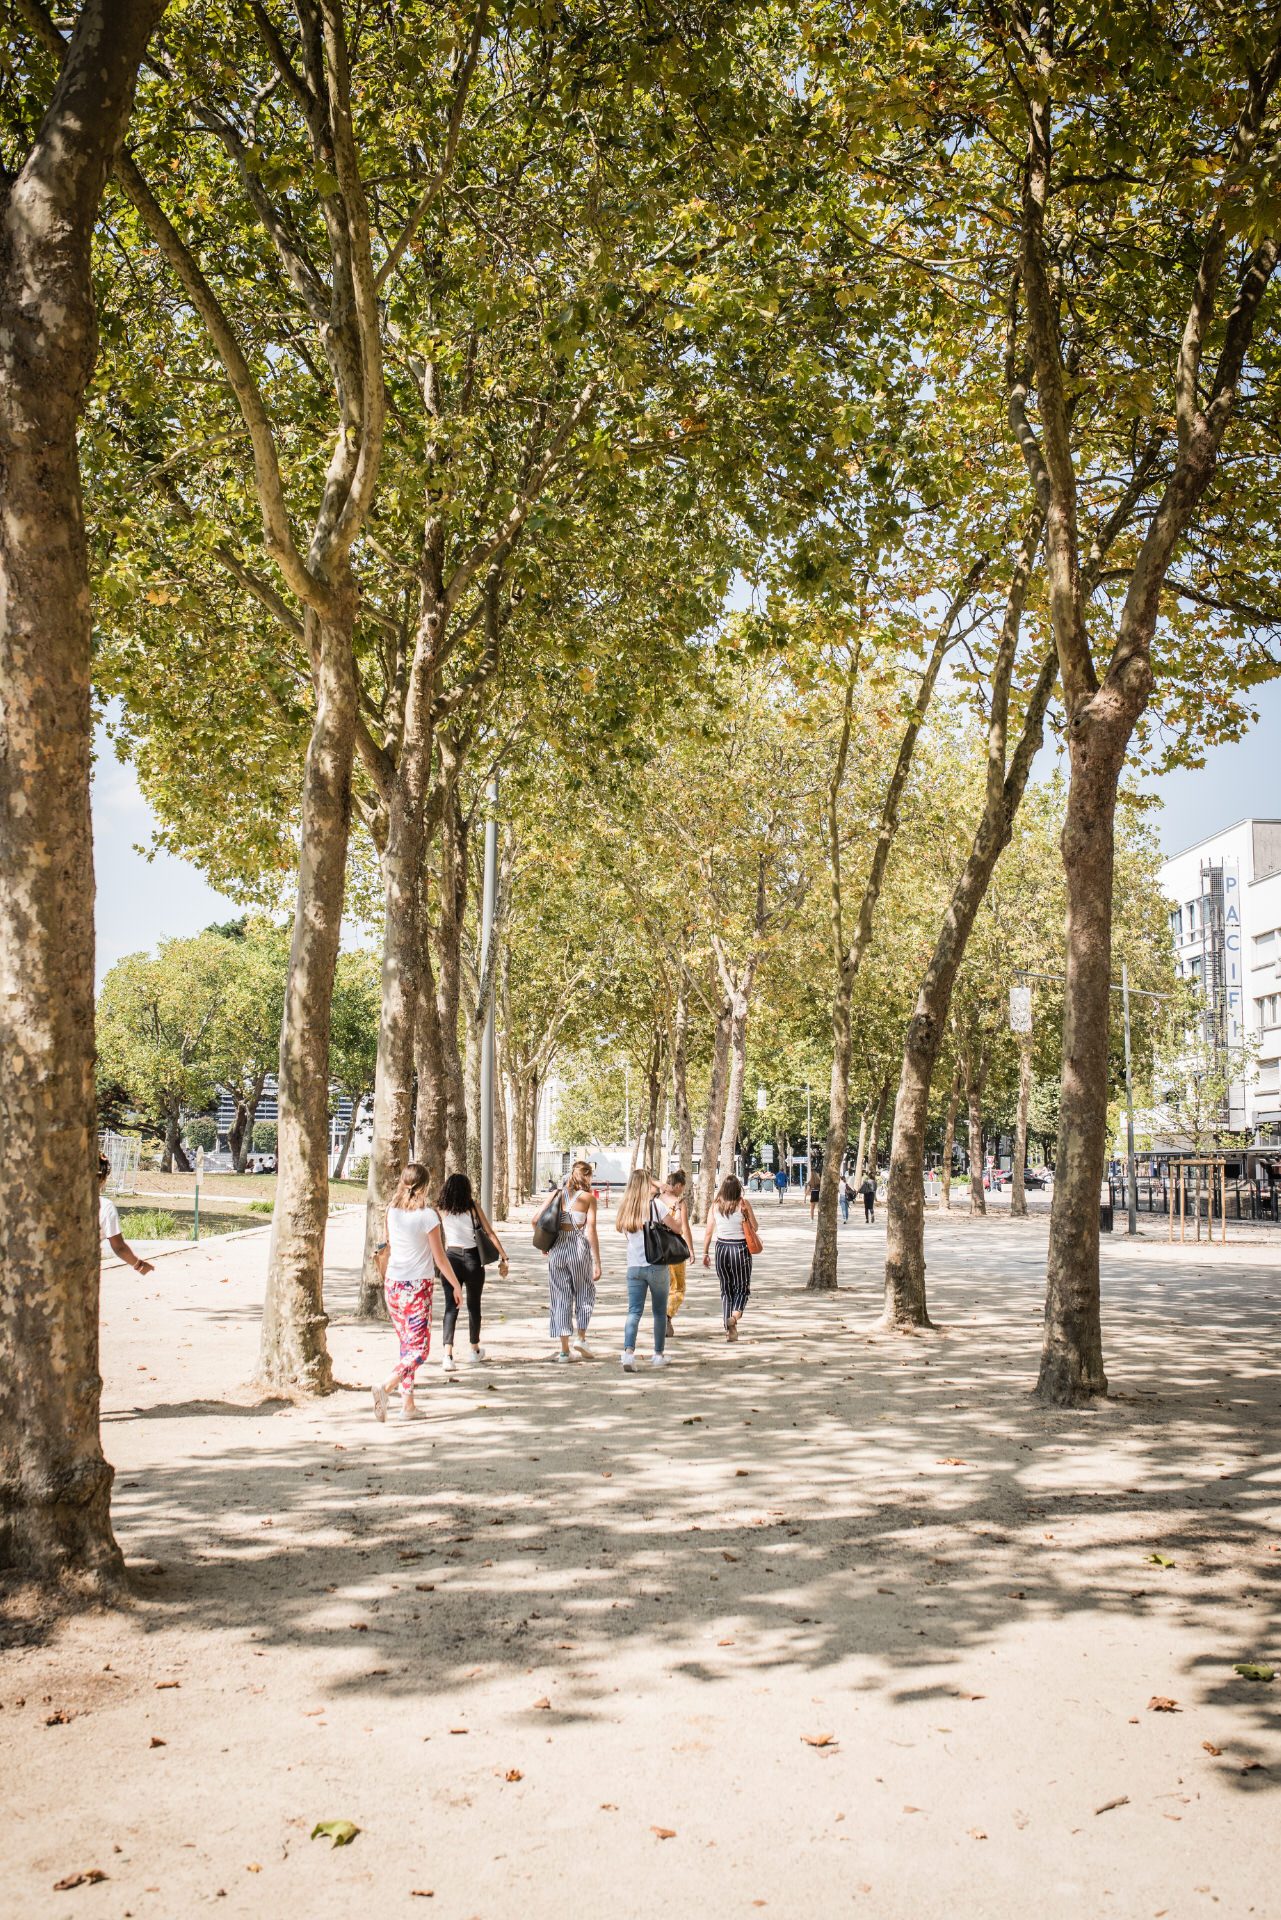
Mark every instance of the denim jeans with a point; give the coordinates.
(654, 1282)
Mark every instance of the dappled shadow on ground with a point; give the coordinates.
(822, 1493)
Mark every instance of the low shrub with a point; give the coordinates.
(149, 1224)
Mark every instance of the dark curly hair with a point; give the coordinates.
(456, 1195)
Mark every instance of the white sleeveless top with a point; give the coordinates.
(729, 1226)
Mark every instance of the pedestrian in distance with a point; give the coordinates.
(573, 1266)
(728, 1225)
(644, 1282)
(869, 1198)
(846, 1194)
(463, 1225)
(109, 1224)
(815, 1187)
(414, 1253)
(671, 1202)
(780, 1184)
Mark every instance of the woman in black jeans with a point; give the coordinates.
(462, 1224)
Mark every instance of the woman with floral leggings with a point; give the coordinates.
(415, 1253)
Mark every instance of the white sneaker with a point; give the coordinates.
(447, 1363)
(660, 1360)
(629, 1363)
(380, 1403)
(410, 1410)
(560, 1358)
(476, 1355)
(581, 1349)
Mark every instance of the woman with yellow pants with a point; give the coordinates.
(672, 1203)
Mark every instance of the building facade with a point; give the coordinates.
(1225, 917)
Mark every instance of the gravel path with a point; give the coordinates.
(826, 1620)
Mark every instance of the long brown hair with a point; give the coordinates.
(633, 1208)
(730, 1195)
(580, 1177)
(411, 1189)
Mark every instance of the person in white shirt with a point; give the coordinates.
(727, 1225)
(109, 1224)
(644, 1282)
(466, 1227)
(415, 1250)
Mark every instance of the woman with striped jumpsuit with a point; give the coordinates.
(573, 1265)
(725, 1225)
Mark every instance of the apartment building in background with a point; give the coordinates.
(1225, 916)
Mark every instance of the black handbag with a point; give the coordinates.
(547, 1223)
(664, 1246)
(487, 1247)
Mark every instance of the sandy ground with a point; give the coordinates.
(565, 1646)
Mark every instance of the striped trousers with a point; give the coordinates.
(734, 1271)
(571, 1289)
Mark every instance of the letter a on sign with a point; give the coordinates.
(1020, 1009)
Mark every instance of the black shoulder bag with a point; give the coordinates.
(664, 1246)
(547, 1223)
(486, 1245)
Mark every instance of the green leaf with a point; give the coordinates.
(1160, 1560)
(341, 1832)
(1249, 1670)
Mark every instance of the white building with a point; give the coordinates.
(1226, 920)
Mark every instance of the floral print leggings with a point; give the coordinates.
(409, 1304)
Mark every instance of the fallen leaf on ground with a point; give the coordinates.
(1211, 1748)
(952, 1461)
(163, 1685)
(607, 1806)
(422, 1893)
(1159, 1703)
(255, 1866)
(89, 1878)
(663, 1833)
(1251, 1670)
(1018, 1594)
(976, 1833)
(724, 1643)
(819, 1739)
(156, 1741)
(513, 1773)
(1160, 1560)
(341, 1832)
(58, 1719)
(458, 1729)
(1253, 1766)
(543, 1705)
(1122, 1800)
(728, 1556)
(740, 1473)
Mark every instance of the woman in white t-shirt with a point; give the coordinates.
(465, 1226)
(644, 1282)
(109, 1223)
(415, 1254)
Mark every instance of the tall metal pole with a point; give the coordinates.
(1131, 1171)
(809, 1149)
(489, 902)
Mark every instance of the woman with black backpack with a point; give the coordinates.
(648, 1267)
(471, 1243)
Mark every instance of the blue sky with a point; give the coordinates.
(141, 901)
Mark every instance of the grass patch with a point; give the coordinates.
(260, 1206)
(149, 1224)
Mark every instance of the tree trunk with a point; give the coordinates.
(860, 1157)
(878, 1121)
(684, 1126)
(473, 1030)
(357, 1103)
(502, 1161)
(531, 1142)
(734, 1092)
(823, 1262)
(974, 1111)
(653, 1087)
(55, 1485)
(1018, 1190)
(171, 1143)
(453, 902)
(238, 1136)
(949, 1141)
(1072, 1353)
(294, 1353)
(714, 1121)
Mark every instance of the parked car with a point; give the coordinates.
(1037, 1177)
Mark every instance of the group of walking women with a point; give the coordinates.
(456, 1240)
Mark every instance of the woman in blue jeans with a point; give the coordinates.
(643, 1281)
